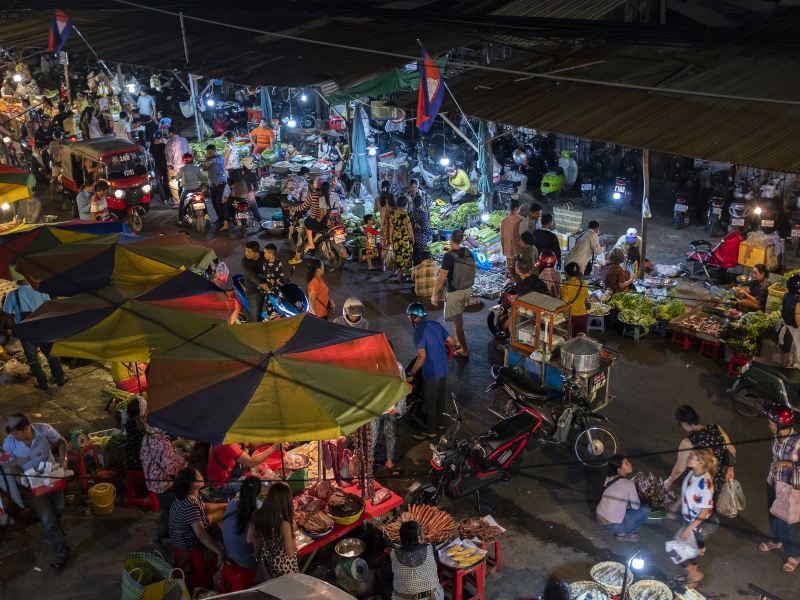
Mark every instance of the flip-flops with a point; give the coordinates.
(791, 564)
(769, 546)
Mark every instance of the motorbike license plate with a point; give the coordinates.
(199, 206)
(619, 188)
(716, 211)
(767, 223)
(586, 186)
(681, 208)
(339, 238)
(795, 232)
(737, 222)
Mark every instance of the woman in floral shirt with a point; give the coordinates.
(160, 465)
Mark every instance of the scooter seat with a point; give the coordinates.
(522, 386)
(789, 375)
(509, 429)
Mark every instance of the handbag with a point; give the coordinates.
(787, 503)
(147, 576)
(567, 219)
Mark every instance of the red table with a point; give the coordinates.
(370, 512)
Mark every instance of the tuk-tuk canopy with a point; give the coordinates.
(97, 148)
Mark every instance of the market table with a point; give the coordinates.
(370, 512)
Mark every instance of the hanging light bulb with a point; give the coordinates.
(372, 150)
(291, 122)
(758, 210)
(484, 217)
(303, 97)
(131, 87)
(5, 206)
(444, 161)
(17, 77)
(210, 102)
(6, 140)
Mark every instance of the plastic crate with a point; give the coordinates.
(112, 456)
(777, 290)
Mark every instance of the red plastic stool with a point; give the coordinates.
(681, 339)
(235, 578)
(736, 363)
(709, 349)
(78, 455)
(197, 575)
(456, 581)
(135, 488)
(494, 564)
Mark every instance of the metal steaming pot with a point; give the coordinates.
(581, 353)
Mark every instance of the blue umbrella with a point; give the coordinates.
(266, 105)
(485, 182)
(359, 165)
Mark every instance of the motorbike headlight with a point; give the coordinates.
(146, 188)
(438, 459)
(617, 196)
(119, 194)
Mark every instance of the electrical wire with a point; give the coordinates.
(471, 66)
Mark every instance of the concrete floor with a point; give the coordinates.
(547, 509)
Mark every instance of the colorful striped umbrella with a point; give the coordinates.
(118, 259)
(286, 380)
(15, 184)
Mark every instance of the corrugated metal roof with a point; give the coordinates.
(740, 132)
(560, 9)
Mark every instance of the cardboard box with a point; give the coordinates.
(750, 255)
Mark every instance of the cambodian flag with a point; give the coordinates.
(60, 28)
(431, 93)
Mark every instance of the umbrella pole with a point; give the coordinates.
(138, 381)
(283, 466)
(320, 468)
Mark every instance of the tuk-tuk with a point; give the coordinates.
(120, 163)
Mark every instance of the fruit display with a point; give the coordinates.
(477, 527)
(462, 555)
(437, 525)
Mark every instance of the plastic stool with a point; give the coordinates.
(78, 455)
(736, 363)
(494, 564)
(478, 573)
(681, 339)
(709, 349)
(596, 323)
(196, 576)
(136, 486)
(235, 578)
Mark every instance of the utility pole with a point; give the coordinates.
(645, 206)
(192, 83)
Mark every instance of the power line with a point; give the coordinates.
(471, 66)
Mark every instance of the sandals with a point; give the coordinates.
(686, 582)
(769, 546)
(791, 564)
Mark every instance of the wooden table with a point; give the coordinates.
(339, 531)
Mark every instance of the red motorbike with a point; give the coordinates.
(460, 467)
(499, 314)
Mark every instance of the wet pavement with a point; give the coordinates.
(548, 508)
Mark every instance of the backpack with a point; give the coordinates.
(462, 276)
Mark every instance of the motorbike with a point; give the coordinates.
(196, 213)
(567, 163)
(553, 181)
(681, 210)
(567, 417)
(590, 188)
(500, 312)
(716, 216)
(620, 194)
(766, 217)
(741, 209)
(463, 465)
(427, 171)
(760, 384)
(242, 215)
(288, 300)
(328, 244)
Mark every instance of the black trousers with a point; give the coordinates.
(433, 393)
(216, 200)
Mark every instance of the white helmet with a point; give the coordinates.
(353, 308)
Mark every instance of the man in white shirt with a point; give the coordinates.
(177, 146)
(84, 202)
(586, 248)
(122, 128)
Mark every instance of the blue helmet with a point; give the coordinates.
(417, 309)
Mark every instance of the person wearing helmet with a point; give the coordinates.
(430, 340)
(459, 181)
(352, 314)
(789, 327)
(545, 239)
(785, 459)
(631, 245)
(190, 179)
(549, 274)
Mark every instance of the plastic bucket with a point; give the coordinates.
(102, 496)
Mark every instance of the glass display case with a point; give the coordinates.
(539, 323)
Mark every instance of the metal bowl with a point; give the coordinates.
(742, 279)
(350, 548)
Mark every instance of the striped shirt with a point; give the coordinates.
(181, 517)
(788, 449)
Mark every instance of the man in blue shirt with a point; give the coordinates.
(18, 305)
(430, 339)
(146, 104)
(30, 444)
(215, 165)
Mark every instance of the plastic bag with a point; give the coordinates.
(731, 499)
(679, 550)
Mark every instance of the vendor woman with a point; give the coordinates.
(224, 460)
(754, 294)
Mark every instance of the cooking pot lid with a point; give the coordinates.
(582, 346)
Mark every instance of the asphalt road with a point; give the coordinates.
(548, 509)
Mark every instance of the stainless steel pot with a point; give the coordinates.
(581, 353)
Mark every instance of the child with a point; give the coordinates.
(274, 275)
(371, 242)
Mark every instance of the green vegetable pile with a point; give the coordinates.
(495, 217)
(457, 218)
(669, 310)
(745, 334)
(634, 309)
(353, 224)
(436, 248)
